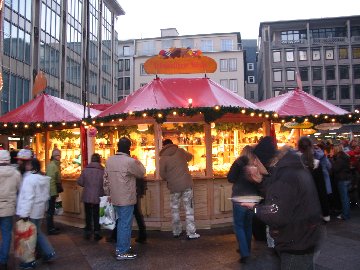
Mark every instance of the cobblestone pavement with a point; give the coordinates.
(216, 249)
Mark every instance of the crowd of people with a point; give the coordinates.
(300, 189)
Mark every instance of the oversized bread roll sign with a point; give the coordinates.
(180, 61)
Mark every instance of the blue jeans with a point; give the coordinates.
(6, 224)
(243, 228)
(124, 226)
(343, 187)
(42, 241)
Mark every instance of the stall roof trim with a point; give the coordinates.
(47, 108)
(299, 103)
(175, 93)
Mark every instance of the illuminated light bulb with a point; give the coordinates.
(50, 125)
(293, 119)
(276, 115)
(112, 120)
(283, 121)
(333, 120)
(174, 113)
(243, 111)
(74, 125)
(260, 114)
(144, 114)
(26, 126)
(130, 112)
(190, 101)
(326, 117)
(5, 125)
(266, 115)
(252, 114)
(16, 126)
(160, 115)
(38, 125)
(63, 123)
(120, 120)
(350, 115)
(306, 120)
(316, 116)
(93, 122)
(217, 107)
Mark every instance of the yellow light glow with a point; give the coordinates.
(217, 107)
(26, 126)
(63, 123)
(252, 114)
(144, 114)
(50, 125)
(160, 115)
(38, 124)
(266, 115)
(5, 125)
(174, 113)
(243, 111)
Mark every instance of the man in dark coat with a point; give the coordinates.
(292, 211)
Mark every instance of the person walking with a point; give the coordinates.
(292, 210)
(243, 186)
(174, 169)
(32, 202)
(53, 171)
(10, 181)
(92, 179)
(342, 176)
(308, 154)
(120, 175)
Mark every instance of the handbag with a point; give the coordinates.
(107, 215)
(59, 188)
(25, 240)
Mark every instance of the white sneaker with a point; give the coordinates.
(326, 218)
(193, 236)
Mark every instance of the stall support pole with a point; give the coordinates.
(208, 150)
(90, 140)
(158, 146)
(266, 128)
(47, 147)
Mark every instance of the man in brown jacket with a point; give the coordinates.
(120, 175)
(174, 169)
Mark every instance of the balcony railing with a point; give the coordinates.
(329, 40)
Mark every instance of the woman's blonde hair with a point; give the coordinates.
(337, 148)
(247, 151)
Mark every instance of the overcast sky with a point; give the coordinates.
(145, 18)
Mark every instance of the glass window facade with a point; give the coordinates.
(73, 72)
(227, 45)
(106, 27)
(74, 19)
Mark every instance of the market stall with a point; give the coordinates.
(301, 114)
(200, 116)
(47, 122)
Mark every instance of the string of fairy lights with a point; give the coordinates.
(209, 114)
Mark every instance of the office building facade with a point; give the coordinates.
(224, 48)
(73, 42)
(324, 52)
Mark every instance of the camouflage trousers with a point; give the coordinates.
(187, 198)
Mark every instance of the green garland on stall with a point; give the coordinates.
(62, 135)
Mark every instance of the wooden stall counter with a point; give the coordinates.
(211, 201)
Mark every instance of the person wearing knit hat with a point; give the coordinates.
(10, 181)
(265, 150)
(23, 157)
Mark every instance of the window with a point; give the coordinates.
(142, 70)
(250, 66)
(329, 54)
(251, 79)
(226, 44)
(207, 45)
(316, 55)
(187, 43)
(232, 64)
(356, 71)
(252, 95)
(223, 65)
(343, 53)
(290, 74)
(344, 92)
(331, 92)
(289, 56)
(306, 89)
(224, 83)
(317, 73)
(120, 83)
(304, 74)
(233, 85)
(277, 75)
(126, 50)
(127, 83)
(344, 72)
(357, 91)
(302, 55)
(293, 36)
(276, 56)
(356, 52)
(328, 32)
(148, 47)
(330, 72)
(318, 91)
(121, 65)
(127, 64)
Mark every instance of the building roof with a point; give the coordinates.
(115, 7)
(45, 108)
(175, 93)
(299, 103)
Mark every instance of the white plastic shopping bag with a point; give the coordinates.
(107, 215)
(25, 240)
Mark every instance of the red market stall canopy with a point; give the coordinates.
(46, 109)
(178, 93)
(299, 103)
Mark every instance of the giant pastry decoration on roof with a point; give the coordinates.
(180, 61)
